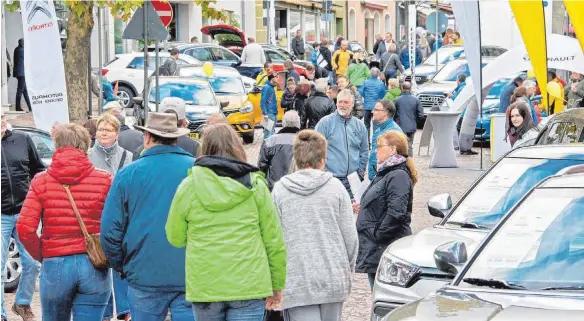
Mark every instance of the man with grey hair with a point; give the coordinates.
(253, 53)
(317, 106)
(373, 91)
(348, 144)
(277, 150)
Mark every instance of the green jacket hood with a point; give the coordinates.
(223, 183)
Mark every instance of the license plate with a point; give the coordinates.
(194, 135)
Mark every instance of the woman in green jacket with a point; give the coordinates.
(224, 214)
(393, 90)
(358, 72)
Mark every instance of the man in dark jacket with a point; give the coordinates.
(409, 112)
(324, 57)
(315, 72)
(18, 73)
(298, 45)
(276, 153)
(507, 92)
(169, 67)
(176, 106)
(317, 106)
(20, 163)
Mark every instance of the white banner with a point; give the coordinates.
(467, 15)
(43, 64)
(412, 40)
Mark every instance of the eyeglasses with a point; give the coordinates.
(378, 109)
(107, 130)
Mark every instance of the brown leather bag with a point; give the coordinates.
(92, 241)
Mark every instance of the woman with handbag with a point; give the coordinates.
(106, 154)
(68, 200)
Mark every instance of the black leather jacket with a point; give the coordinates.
(20, 163)
(315, 108)
(276, 155)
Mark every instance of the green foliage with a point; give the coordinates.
(230, 38)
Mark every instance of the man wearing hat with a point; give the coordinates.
(177, 107)
(133, 233)
(129, 139)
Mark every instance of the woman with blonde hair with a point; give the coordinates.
(71, 192)
(224, 214)
(386, 206)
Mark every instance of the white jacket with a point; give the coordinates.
(253, 54)
(527, 139)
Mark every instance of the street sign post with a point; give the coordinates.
(164, 11)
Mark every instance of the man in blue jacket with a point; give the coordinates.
(383, 115)
(373, 91)
(348, 144)
(507, 92)
(133, 236)
(269, 104)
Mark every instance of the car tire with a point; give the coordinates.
(13, 268)
(248, 138)
(126, 96)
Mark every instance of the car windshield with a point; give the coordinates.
(504, 186)
(191, 93)
(444, 55)
(548, 244)
(451, 71)
(231, 84)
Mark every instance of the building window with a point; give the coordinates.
(294, 24)
(387, 23)
(310, 26)
(377, 23)
(352, 25)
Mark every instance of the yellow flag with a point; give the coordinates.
(575, 10)
(530, 19)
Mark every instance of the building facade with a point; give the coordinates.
(366, 18)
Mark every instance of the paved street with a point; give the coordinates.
(432, 182)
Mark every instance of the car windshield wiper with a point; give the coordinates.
(497, 284)
(469, 225)
(568, 288)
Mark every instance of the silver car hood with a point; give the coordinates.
(419, 249)
(436, 87)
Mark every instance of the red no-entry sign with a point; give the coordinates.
(164, 11)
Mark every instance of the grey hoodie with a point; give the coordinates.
(321, 238)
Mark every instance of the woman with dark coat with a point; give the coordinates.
(386, 206)
(520, 126)
(302, 93)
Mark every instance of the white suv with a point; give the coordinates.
(128, 71)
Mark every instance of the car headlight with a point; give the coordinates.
(396, 271)
(247, 108)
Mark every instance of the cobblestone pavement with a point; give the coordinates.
(431, 182)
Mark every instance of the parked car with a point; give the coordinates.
(198, 95)
(408, 272)
(433, 93)
(45, 147)
(228, 85)
(128, 71)
(234, 39)
(278, 55)
(566, 127)
(255, 96)
(428, 68)
(528, 268)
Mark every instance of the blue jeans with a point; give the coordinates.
(30, 267)
(248, 310)
(153, 306)
(268, 133)
(120, 295)
(71, 285)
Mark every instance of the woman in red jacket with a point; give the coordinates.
(69, 283)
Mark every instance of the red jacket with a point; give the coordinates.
(47, 201)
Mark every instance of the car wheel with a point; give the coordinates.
(248, 137)
(13, 268)
(125, 94)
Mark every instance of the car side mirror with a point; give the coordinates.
(224, 103)
(256, 89)
(138, 100)
(440, 205)
(236, 64)
(450, 257)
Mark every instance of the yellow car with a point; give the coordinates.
(255, 97)
(229, 87)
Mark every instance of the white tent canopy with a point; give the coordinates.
(563, 53)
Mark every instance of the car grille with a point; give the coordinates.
(196, 125)
(419, 79)
(431, 102)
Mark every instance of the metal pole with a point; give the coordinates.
(436, 41)
(89, 81)
(480, 93)
(156, 63)
(100, 62)
(145, 97)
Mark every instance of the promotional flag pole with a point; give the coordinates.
(100, 62)
(480, 93)
(145, 94)
(437, 38)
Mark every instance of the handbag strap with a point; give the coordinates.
(81, 224)
(122, 160)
